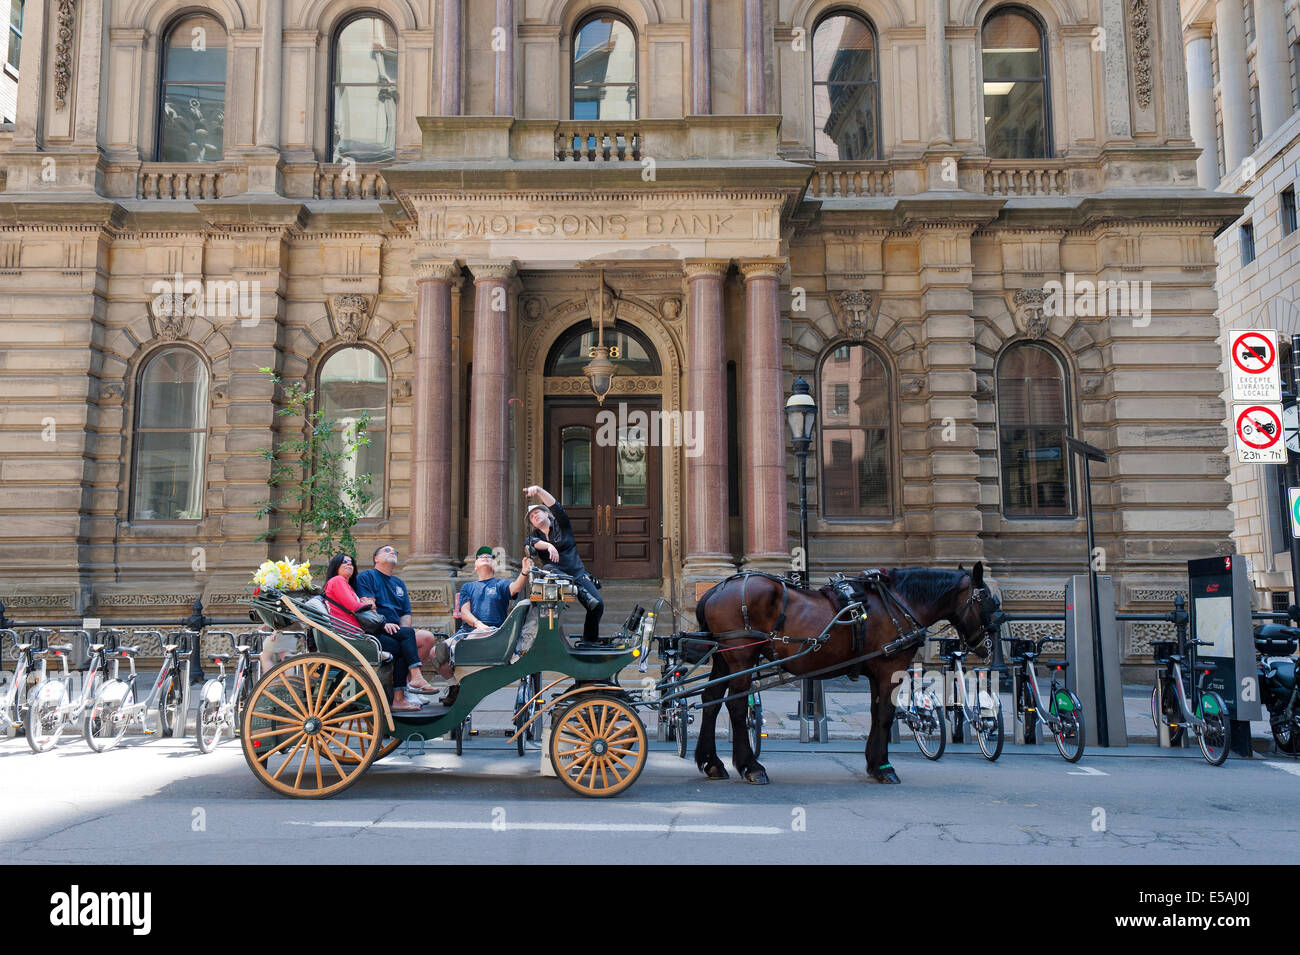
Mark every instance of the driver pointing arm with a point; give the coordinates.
(552, 542)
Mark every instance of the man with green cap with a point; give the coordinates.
(486, 600)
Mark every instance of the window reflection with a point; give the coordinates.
(1015, 87)
(844, 89)
(604, 70)
(1032, 425)
(365, 91)
(353, 381)
(855, 472)
(193, 108)
(171, 438)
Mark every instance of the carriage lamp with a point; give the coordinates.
(600, 370)
(801, 414)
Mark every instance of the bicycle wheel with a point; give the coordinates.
(1069, 733)
(105, 724)
(44, 722)
(681, 720)
(1169, 717)
(1286, 734)
(1213, 737)
(210, 721)
(929, 727)
(988, 725)
(170, 714)
(754, 723)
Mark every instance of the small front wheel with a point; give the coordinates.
(1067, 712)
(598, 747)
(988, 726)
(1213, 736)
(209, 723)
(171, 714)
(105, 724)
(1169, 718)
(48, 703)
(929, 727)
(681, 720)
(754, 723)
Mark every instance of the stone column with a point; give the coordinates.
(1271, 66)
(1233, 83)
(489, 425)
(766, 544)
(707, 549)
(940, 76)
(503, 93)
(268, 87)
(435, 370)
(755, 58)
(701, 90)
(1119, 122)
(28, 123)
(1200, 102)
(451, 46)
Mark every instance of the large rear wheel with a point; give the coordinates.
(1171, 717)
(929, 726)
(1213, 737)
(598, 747)
(105, 724)
(171, 712)
(988, 728)
(1069, 733)
(303, 715)
(44, 722)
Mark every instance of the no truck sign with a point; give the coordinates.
(1259, 433)
(1254, 365)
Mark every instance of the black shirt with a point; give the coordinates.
(562, 538)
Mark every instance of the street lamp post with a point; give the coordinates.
(801, 414)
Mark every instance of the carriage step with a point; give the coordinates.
(421, 715)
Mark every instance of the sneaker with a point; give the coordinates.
(449, 697)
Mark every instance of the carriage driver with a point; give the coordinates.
(552, 541)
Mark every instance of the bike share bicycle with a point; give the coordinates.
(116, 706)
(52, 706)
(1064, 712)
(28, 674)
(985, 714)
(1179, 702)
(221, 703)
(917, 705)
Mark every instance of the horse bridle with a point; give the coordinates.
(989, 622)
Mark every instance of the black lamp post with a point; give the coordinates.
(801, 414)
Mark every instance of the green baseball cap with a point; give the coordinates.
(484, 550)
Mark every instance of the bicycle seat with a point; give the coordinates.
(127, 651)
(59, 648)
(23, 647)
(220, 657)
(1206, 665)
(169, 647)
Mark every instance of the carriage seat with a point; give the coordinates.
(498, 647)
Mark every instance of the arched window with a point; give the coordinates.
(855, 402)
(192, 107)
(845, 91)
(364, 101)
(352, 382)
(629, 349)
(1033, 421)
(1015, 86)
(171, 431)
(604, 69)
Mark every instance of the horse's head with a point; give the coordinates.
(978, 613)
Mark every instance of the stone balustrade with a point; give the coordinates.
(1032, 177)
(597, 141)
(156, 180)
(350, 181)
(851, 180)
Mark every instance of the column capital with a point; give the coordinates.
(447, 270)
(697, 268)
(1203, 30)
(488, 269)
(762, 268)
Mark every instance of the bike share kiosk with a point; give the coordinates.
(1220, 605)
(1080, 654)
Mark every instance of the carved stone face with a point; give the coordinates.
(1030, 312)
(852, 309)
(670, 308)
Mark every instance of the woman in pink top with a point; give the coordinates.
(343, 602)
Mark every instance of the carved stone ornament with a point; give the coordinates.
(671, 308)
(170, 313)
(63, 51)
(112, 393)
(1030, 313)
(533, 308)
(1140, 18)
(852, 309)
(402, 388)
(350, 314)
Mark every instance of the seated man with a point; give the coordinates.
(485, 602)
(394, 602)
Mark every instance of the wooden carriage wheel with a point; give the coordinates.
(598, 747)
(366, 724)
(302, 716)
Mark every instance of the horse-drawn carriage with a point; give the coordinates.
(315, 722)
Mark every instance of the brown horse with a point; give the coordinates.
(748, 614)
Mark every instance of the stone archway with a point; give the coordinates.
(659, 316)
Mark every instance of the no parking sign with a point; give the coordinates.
(1259, 434)
(1255, 368)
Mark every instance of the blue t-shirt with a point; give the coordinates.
(391, 598)
(489, 601)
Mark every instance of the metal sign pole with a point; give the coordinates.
(1089, 453)
(1292, 468)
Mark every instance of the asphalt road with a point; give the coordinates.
(156, 800)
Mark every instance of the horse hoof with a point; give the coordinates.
(757, 776)
(713, 771)
(887, 776)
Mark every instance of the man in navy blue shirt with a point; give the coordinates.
(394, 602)
(485, 601)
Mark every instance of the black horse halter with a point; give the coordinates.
(989, 608)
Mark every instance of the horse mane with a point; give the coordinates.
(923, 586)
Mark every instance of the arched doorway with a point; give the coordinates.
(604, 464)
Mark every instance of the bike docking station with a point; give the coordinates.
(1221, 615)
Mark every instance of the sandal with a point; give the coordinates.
(408, 708)
(424, 688)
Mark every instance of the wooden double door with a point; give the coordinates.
(604, 467)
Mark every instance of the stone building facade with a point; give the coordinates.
(1242, 61)
(906, 202)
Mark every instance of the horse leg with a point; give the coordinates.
(706, 750)
(882, 718)
(742, 754)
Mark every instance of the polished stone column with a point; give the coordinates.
(1271, 66)
(755, 58)
(701, 88)
(1233, 84)
(936, 48)
(451, 45)
(1200, 103)
(707, 549)
(489, 426)
(503, 92)
(435, 370)
(763, 428)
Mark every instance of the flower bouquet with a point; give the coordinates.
(276, 577)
